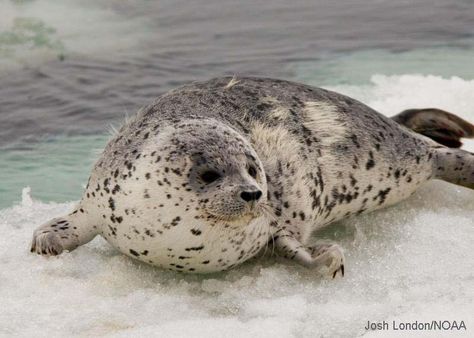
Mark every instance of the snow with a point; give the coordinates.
(410, 262)
(390, 95)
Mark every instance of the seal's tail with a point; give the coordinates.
(454, 166)
(439, 125)
(451, 165)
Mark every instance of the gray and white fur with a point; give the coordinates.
(203, 178)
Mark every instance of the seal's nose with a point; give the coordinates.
(248, 196)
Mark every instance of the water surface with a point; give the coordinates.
(72, 69)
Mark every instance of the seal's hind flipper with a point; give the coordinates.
(454, 166)
(439, 125)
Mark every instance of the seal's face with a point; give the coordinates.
(228, 181)
(209, 198)
(223, 172)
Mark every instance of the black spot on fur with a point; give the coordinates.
(302, 215)
(370, 163)
(175, 221)
(382, 195)
(196, 232)
(397, 174)
(116, 189)
(133, 252)
(196, 248)
(112, 204)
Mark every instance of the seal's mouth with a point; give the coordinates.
(239, 216)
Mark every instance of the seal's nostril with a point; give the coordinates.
(248, 196)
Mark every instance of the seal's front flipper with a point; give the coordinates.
(437, 124)
(62, 233)
(321, 256)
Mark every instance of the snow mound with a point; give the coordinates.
(392, 94)
(409, 262)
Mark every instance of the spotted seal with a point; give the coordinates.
(203, 178)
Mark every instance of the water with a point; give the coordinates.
(70, 70)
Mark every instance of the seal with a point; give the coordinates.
(211, 173)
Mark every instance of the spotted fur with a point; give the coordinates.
(314, 155)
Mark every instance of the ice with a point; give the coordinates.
(392, 94)
(410, 262)
(357, 67)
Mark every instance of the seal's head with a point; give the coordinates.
(210, 191)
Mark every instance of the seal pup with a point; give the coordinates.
(210, 173)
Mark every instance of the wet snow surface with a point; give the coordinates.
(409, 262)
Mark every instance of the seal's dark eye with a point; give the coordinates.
(252, 171)
(210, 176)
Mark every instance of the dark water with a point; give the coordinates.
(75, 93)
(189, 41)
